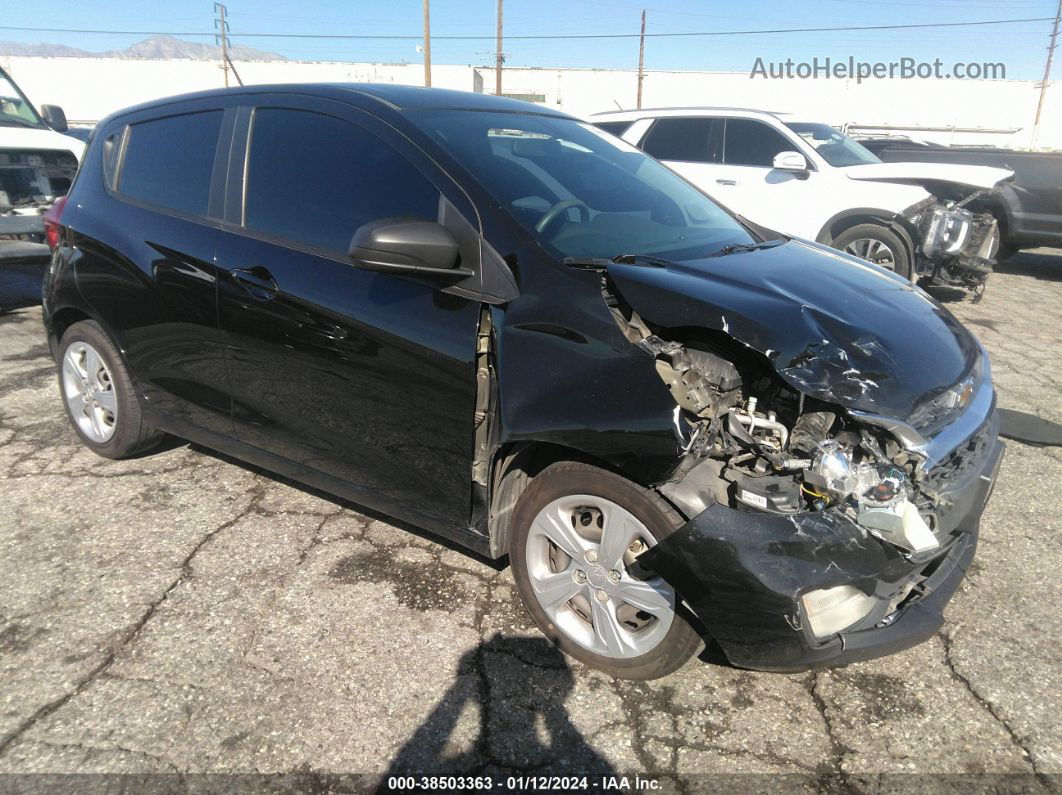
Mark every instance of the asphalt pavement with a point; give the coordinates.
(185, 614)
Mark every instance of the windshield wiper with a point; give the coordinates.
(600, 263)
(736, 248)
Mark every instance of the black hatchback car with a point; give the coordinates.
(503, 325)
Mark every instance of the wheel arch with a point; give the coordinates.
(59, 321)
(845, 220)
(513, 467)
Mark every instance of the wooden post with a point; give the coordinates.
(1047, 74)
(641, 56)
(498, 57)
(427, 45)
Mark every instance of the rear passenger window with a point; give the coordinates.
(747, 142)
(169, 161)
(315, 179)
(679, 139)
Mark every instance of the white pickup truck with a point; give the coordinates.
(37, 166)
(926, 221)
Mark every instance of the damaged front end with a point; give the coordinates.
(956, 240)
(30, 183)
(821, 529)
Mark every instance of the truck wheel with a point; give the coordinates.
(577, 533)
(876, 244)
(1005, 251)
(98, 394)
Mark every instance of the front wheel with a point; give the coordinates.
(578, 531)
(877, 244)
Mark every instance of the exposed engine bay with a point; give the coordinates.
(30, 182)
(772, 449)
(958, 236)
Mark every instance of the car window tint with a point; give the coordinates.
(748, 142)
(614, 127)
(169, 161)
(679, 139)
(315, 179)
(110, 156)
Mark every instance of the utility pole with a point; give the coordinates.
(499, 56)
(222, 37)
(1047, 73)
(641, 56)
(427, 45)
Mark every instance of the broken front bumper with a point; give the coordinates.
(960, 245)
(743, 574)
(18, 240)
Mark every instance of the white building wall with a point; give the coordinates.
(1001, 111)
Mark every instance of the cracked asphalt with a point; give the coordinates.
(183, 613)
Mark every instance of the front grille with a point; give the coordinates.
(982, 238)
(956, 469)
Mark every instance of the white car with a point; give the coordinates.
(928, 221)
(37, 166)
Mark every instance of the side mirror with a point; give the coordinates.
(790, 161)
(55, 117)
(401, 245)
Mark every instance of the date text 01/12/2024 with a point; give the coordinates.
(524, 783)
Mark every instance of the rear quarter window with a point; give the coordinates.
(169, 162)
(614, 127)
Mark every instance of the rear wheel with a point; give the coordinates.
(98, 394)
(877, 244)
(578, 533)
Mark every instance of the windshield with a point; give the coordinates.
(581, 192)
(15, 109)
(836, 148)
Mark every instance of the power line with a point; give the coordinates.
(551, 37)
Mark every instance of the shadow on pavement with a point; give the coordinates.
(1041, 263)
(20, 286)
(504, 714)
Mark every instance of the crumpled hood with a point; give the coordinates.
(26, 138)
(928, 174)
(833, 326)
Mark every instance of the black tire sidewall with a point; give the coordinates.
(567, 478)
(884, 235)
(128, 433)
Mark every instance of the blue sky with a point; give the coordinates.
(1022, 47)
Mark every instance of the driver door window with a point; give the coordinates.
(748, 142)
(751, 186)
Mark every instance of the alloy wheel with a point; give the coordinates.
(89, 392)
(579, 550)
(875, 251)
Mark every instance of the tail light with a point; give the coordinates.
(51, 222)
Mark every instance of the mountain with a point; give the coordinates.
(164, 47)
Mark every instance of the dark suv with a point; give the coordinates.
(501, 324)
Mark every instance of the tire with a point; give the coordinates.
(1005, 251)
(869, 241)
(98, 394)
(589, 618)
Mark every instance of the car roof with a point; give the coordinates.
(388, 96)
(655, 113)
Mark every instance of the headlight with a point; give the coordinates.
(831, 610)
(948, 230)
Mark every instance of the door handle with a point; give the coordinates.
(258, 282)
(726, 181)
